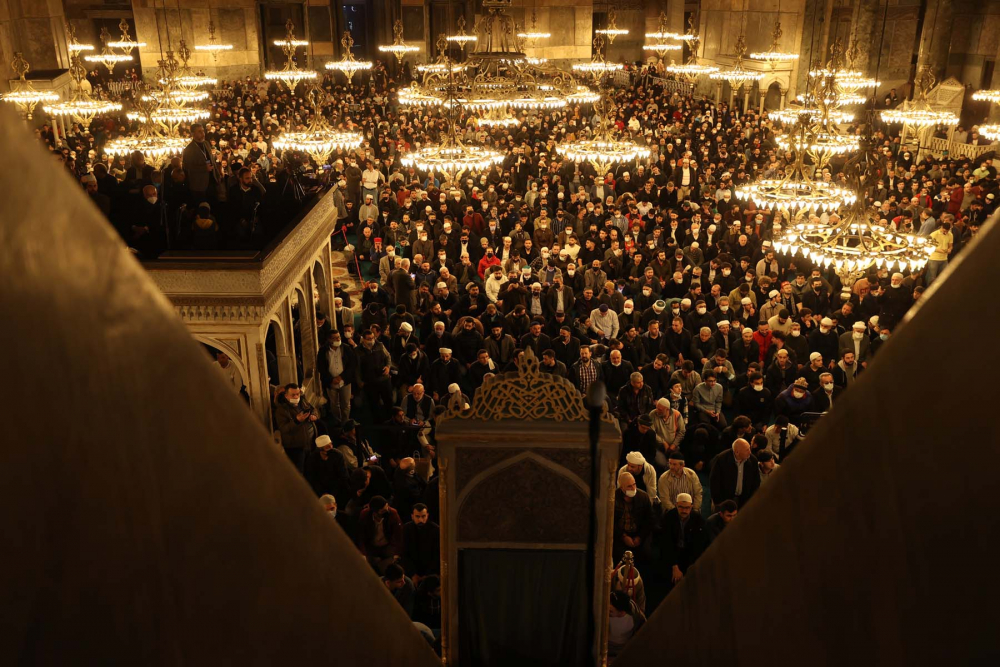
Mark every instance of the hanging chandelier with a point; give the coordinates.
(151, 140)
(347, 64)
(692, 69)
(598, 66)
(496, 75)
(214, 45)
(461, 37)
(775, 56)
(107, 57)
(797, 113)
(290, 74)
(612, 30)
(532, 33)
(184, 77)
(737, 75)
(80, 106)
(498, 117)
(660, 43)
(853, 244)
(920, 114)
(22, 94)
(318, 140)
(991, 132)
(398, 48)
(986, 96)
(604, 150)
(126, 43)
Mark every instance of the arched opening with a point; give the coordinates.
(234, 372)
(298, 302)
(274, 343)
(772, 98)
(319, 282)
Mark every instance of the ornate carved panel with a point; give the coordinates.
(526, 502)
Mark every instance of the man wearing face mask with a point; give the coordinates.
(326, 470)
(633, 519)
(296, 419)
(337, 365)
(825, 341)
(827, 394)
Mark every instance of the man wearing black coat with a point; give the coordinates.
(326, 471)
(684, 537)
(421, 555)
(735, 475)
(633, 520)
(639, 437)
(338, 370)
(374, 364)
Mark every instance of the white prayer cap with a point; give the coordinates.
(323, 441)
(635, 458)
(723, 323)
(453, 388)
(860, 326)
(663, 402)
(444, 350)
(826, 322)
(746, 301)
(684, 498)
(814, 356)
(442, 285)
(407, 327)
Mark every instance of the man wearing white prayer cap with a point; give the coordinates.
(643, 472)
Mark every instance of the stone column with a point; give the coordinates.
(746, 98)
(935, 37)
(256, 381)
(310, 339)
(718, 92)
(286, 353)
(675, 16)
(866, 30)
(35, 28)
(813, 42)
(784, 95)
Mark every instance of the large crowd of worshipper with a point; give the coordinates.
(718, 353)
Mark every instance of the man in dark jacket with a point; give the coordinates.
(735, 475)
(755, 400)
(634, 520)
(380, 534)
(296, 419)
(326, 470)
(407, 486)
(338, 368)
(421, 555)
(893, 302)
(684, 537)
(373, 370)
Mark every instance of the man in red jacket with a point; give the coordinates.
(380, 534)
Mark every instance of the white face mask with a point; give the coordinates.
(337, 343)
(796, 333)
(701, 311)
(825, 329)
(726, 272)
(858, 335)
(758, 387)
(332, 513)
(628, 310)
(294, 401)
(798, 393)
(646, 292)
(631, 494)
(151, 200)
(828, 386)
(724, 307)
